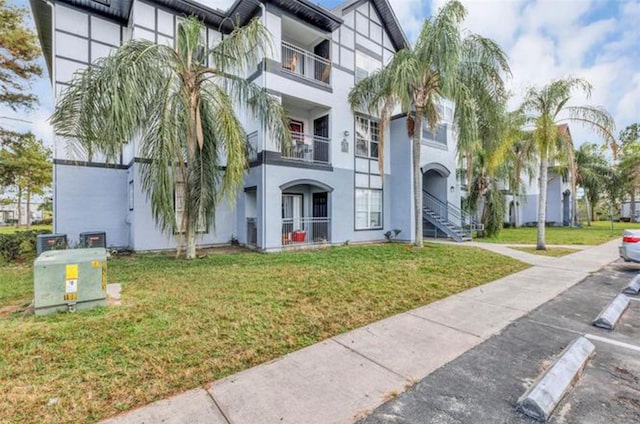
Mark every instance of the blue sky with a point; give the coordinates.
(545, 39)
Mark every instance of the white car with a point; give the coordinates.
(630, 249)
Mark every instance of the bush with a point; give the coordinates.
(10, 246)
(13, 245)
(30, 237)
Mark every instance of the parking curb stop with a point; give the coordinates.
(543, 396)
(634, 286)
(612, 313)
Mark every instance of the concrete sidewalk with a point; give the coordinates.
(345, 377)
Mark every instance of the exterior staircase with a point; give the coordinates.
(448, 218)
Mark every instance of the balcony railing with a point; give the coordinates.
(308, 148)
(252, 232)
(302, 231)
(305, 64)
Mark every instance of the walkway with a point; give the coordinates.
(345, 377)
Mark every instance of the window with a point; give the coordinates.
(292, 211)
(179, 205)
(368, 209)
(130, 195)
(367, 133)
(201, 48)
(366, 65)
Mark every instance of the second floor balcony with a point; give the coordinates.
(308, 148)
(305, 64)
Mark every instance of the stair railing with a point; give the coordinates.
(451, 213)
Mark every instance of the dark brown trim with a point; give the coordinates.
(88, 164)
(268, 157)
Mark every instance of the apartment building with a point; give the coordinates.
(523, 209)
(327, 187)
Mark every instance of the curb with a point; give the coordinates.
(634, 286)
(612, 313)
(546, 392)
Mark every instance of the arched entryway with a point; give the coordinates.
(434, 180)
(305, 212)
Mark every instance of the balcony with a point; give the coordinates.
(305, 64)
(307, 148)
(305, 231)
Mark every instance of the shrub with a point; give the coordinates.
(13, 245)
(10, 246)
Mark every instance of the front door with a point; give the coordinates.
(322, 70)
(321, 139)
(320, 210)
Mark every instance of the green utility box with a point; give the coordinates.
(69, 280)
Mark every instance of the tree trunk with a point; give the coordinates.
(19, 207)
(542, 204)
(191, 146)
(587, 207)
(417, 178)
(191, 242)
(28, 209)
(633, 205)
(574, 201)
(516, 214)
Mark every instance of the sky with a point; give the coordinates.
(598, 40)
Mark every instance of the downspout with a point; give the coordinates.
(53, 87)
(263, 232)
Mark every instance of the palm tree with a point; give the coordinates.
(444, 63)
(486, 161)
(546, 107)
(180, 105)
(630, 163)
(591, 173)
(519, 155)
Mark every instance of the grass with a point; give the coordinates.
(554, 252)
(184, 324)
(599, 232)
(12, 229)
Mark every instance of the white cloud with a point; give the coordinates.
(410, 14)
(546, 40)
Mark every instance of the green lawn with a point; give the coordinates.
(598, 233)
(554, 252)
(183, 323)
(12, 229)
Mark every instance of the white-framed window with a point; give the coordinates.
(367, 137)
(368, 209)
(366, 65)
(292, 211)
(202, 47)
(131, 195)
(179, 207)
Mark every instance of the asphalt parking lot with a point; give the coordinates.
(484, 384)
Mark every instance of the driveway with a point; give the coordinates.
(484, 384)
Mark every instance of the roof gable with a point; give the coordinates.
(387, 17)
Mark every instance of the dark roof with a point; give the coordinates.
(389, 19)
(240, 12)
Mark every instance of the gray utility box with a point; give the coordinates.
(93, 239)
(46, 242)
(69, 280)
